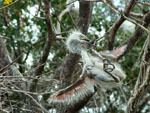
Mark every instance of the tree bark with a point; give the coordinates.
(49, 42)
(113, 30)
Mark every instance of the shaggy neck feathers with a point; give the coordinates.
(75, 43)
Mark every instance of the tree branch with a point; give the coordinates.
(143, 80)
(144, 3)
(9, 4)
(7, 66)
(50, 40)
(119, 10)
(142, 104)
(113, 30)
(6, 60)
(137, 35)
(68, 8)
(26, 94)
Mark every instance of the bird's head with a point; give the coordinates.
(77, 42)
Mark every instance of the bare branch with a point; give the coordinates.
(144, 3)
(25, 93)
(72, 20)
(6, 60)
(113, 30)
(137, 35)
(143, 80)
(68, 8)
(134, 22)
(9, 5)
(38, 9)
(50, 40)
(4, 68)
(142, 104)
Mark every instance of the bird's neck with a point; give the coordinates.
(76, 47)
(86, 58)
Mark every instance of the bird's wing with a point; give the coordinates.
(72, 95)
(115, 53)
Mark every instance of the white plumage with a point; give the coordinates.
(76, 42)
(95, 71)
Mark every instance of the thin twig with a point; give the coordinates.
(142, 82)
(113, 30)
(22, 91)
(38, 8)
(1, 70)
(72, 21)
(134, 22)
(144, 3)
(65, 32)
(112, 8)
(5, 37)
(71, 2)
(25, 93)
(106, 33)
(27, 77)
(68, 8)
(9, 5)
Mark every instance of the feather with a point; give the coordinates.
(74, 93)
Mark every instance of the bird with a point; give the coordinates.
(77, 42)
(100, 70)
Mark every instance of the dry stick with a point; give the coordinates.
(65, 32)
(22, 91)
(38, 8)
(4, 37)
(34, 100)
(106, 33)
(10, 104)
(119, 10)
(141, 8)
(27, 77)
(131, 20)
(142, 81)
(9, 5)
(144, 3)
(117, 24)
(137, 35)
(68, 8)
(25, 93)
(10, 63)
(71, 2)
(143, 104)
(115, 7)
(50, 40)
(139, 91)
(4, 111)
(134, 22)
(112, 8)
(72, 21)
